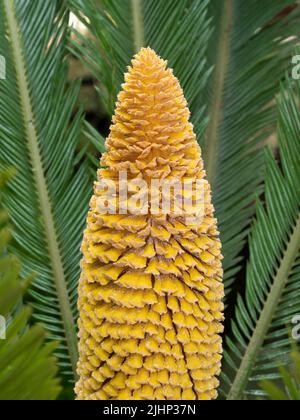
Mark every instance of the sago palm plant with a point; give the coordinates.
(230, 57)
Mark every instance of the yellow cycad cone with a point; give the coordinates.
(150, 294)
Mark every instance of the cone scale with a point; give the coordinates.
(150, 293)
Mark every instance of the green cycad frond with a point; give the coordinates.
(178, 30)
(27, 367)
(250, 52)
(48, 198)
(261, 341)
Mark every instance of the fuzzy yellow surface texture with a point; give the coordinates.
(150, 293)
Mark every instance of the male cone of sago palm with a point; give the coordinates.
(150, 294)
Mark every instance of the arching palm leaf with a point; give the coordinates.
(250, 52)
(261, 341)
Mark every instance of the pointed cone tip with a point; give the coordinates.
(148, 55)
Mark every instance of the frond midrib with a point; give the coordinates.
(216, 106)
(41, 184)
(138, 25)
(266, 316)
